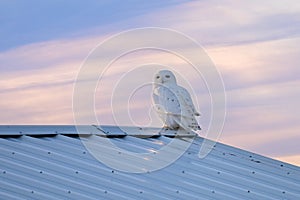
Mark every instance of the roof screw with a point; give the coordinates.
(32, 192)
(49, 152)
(84, 152)
(177, 191)
(112, 171)
(69, 192)
(288, 173)
(281, 165)
(13, 153)
(219, 172)
(4, 172)
(105, 192)
(223, 154)
(213, 192)
(76, 172)
(283, 192)
(253, 172)
(41, 172)
(248, 191)
(141, 192)
(183, 171)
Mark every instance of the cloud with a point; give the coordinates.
(37, 81)
(258, 63)
(45, 105)
(229, 22)
(262, 85)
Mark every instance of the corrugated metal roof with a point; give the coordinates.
(50, 162)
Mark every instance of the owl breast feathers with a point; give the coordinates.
(173, 103)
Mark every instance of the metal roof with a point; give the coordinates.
(50, 162)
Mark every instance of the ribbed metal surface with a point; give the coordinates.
(87, 130)
(59, 167)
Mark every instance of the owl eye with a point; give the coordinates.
(167, 76)
(157, 77)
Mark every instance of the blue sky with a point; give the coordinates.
(253, 44)
(25, 22)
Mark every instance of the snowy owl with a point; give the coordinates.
(173, 103)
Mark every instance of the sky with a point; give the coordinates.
(253, 44)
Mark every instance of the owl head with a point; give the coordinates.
(165, 77)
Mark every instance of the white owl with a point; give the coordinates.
(173, 103)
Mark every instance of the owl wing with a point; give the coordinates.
(188, 112)
(176, 103)
(166, 101)
(188, 100)
(167, 106)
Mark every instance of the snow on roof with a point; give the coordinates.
(50, 162)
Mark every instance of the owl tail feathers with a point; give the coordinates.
(190, 126)
(195, 127)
